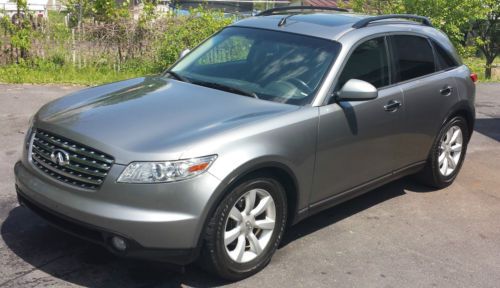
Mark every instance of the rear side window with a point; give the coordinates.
(413, 57)
(444, 59)
(369, 63)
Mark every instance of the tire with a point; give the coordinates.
(433, 173)
(217, 257)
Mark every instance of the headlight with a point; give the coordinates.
(168, 171)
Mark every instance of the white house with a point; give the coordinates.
(37, 7)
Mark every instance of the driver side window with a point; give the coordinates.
(369, 63)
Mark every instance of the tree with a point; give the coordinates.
(20, 30)
(373, 6)
(486, 33)
(78, 10)
(107, 11)
(110, 11)
(451, 16)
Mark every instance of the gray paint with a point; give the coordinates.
(327, 147)
(357, 90)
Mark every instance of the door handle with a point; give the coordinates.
(446, 91)
(392, 106)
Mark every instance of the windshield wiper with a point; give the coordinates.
(178, 76)
(226, 88)
(213, 85)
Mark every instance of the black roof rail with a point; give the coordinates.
(364, 22)
(288, 8)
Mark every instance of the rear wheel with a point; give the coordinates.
(245, 229)
(447, 154)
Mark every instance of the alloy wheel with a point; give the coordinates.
(450, 150)
(250, 225)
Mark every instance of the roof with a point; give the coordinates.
(333, 25)
(321, 24)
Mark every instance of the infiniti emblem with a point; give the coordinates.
(60, 157)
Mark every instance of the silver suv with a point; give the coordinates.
(269, 121)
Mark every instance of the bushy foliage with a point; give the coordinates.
(100, 10)
(20, 30)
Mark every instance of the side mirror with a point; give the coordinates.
(184, 53)
(357, 90)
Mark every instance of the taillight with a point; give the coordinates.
(473, 77)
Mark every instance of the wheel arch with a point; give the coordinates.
(280, 171)
(282, 174)
(277, 169)
(466, 111)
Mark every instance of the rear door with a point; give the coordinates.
(429, 92)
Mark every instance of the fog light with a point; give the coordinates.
(119, 243)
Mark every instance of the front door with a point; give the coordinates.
(358, 141)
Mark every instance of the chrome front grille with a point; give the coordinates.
(68, 161)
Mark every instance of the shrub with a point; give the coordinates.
(186, 32)
(57, 59)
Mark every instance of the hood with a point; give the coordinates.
(151, 118)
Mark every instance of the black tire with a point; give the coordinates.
(214, 257)
(430, 175)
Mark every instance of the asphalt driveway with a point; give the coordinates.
(400, 235)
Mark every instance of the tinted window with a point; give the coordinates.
(275, 66)
(413, 57)
(444, 59)
(368, 62)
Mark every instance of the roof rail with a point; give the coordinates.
(364, 22)
(288, 8)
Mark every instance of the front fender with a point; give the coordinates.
(287, 142)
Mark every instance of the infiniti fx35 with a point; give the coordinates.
(270, 120)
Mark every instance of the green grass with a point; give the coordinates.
(476, 65)
(64, 75)
(57, 17)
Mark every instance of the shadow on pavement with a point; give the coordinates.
(489, 127)
(352, 207)
(76, 261)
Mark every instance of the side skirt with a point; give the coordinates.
(357, 191)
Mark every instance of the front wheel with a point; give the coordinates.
(447, 154)
(245, 229)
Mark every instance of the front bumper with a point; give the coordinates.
(159, 221)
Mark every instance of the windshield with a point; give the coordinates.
(269, 65)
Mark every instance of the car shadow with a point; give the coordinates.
(489, 127)
(76, 261)
(349, 208)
